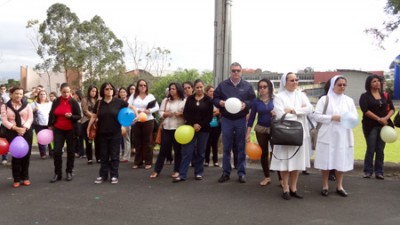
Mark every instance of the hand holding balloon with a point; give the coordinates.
(349, 120)
(233, 105)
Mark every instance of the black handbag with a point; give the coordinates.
(396, 120)
(286, 132)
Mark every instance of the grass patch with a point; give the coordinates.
(392, 150)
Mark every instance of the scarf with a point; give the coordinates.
(16, 112)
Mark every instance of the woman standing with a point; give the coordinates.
(172, 112)
(335, 144)
(87, 108)
(17, 117)
(126, 135)
(63, 120)
(198, 113)
(215, 132)
(41, 109)
(373, 104)
(143, 131)
(108, 132)
(79, 149)
(131, 92)
(296, 104)
(262, 107)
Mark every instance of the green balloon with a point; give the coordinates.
(184, 134)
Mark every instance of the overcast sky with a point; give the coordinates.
(274, 35)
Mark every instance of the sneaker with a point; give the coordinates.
(114, 180)
(198, 177)
(99, 180)
(4, 162)
(223, 179)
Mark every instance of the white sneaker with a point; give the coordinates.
(114, 180)
(4, 162)
(99, 180)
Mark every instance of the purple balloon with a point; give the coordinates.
(45, 137)
(19, 147)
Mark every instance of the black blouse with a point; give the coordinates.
(108, 116)
(377, 106)
(200, 112)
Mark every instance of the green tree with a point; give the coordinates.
(58, 35)
(13, 83)
(89, 48)
(389, 25)
(102, 53)
(179, 76)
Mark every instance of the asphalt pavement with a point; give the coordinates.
(140, 200)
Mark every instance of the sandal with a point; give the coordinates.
(175, 175)
(147, 167)
(135, 166)
(16, 184)
(26, 182)
(154, 175)
(265, 182)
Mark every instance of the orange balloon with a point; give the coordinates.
(253, 151)
(142, 117)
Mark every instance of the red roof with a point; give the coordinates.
(322, 77)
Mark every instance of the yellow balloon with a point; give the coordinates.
(184, 134)
(388, 134)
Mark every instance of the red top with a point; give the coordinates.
(62, 122)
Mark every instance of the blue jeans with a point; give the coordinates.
(234, 132)
(375, 145)
(109, 154)
(197, 146)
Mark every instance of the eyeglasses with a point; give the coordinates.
(342, 85)
(107, 89)
(263, 87)
(294, 80)
(235, 71)
(142, 85)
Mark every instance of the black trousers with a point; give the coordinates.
(20, 167)
(212, 144)
(263, 141)
(60, 137)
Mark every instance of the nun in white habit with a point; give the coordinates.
(335, 143)
(296, 104)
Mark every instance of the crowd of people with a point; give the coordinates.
(202, 107)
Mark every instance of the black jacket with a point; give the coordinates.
(76, 114)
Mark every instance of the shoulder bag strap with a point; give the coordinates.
(326, 106)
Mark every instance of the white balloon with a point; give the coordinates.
(233, 105)
(388, 134)
(349, 120)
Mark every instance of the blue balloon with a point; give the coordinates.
(214, 122)
(126, 116)
(349, 120)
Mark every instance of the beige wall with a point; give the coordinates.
(30, 78)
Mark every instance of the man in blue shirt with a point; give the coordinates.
(234, 125)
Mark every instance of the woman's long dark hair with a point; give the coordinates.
(270, 87)
(368, 82)
(90, 89)
(137, 87)
(179, 90)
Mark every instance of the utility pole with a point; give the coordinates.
(222, 40)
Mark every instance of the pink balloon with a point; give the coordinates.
(19, 147)
(45, 137)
